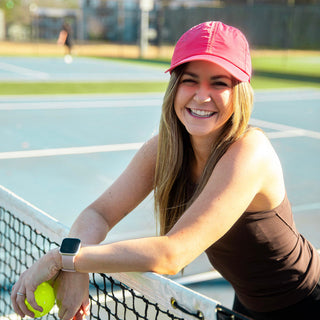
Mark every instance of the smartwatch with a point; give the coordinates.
(69, 249)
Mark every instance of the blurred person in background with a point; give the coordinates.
(65, 40)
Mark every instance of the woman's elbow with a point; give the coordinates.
(168, 269)
(169, 264)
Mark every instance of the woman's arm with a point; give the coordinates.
(91, 227)
(96, 221)
(248, 175)
(132, 186)
(247, 178)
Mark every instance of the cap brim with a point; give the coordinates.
(236, 72)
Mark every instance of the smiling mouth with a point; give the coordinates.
(201, 113)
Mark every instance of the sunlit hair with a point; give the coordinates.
(173, 190)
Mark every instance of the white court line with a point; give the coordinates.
(306, 207)
(286, 134)
(284, 130)
(63, 105)
(271, 125)
(146, 99)
(69, 151)
(24, 71)
(286, 95)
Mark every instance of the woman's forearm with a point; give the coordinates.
(90, 227)
(140, 255)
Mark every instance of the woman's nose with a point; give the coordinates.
(202, 94)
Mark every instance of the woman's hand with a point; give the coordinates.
(72, 295)
(44, 269)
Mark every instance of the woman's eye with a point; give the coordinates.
(220, 84)
(188, 80)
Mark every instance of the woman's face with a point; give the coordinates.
(203, 99)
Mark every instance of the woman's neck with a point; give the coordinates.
(201, 152)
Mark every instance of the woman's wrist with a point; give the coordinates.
(56, 259)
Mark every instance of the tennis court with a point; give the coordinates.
(81, 69)
(61, 152)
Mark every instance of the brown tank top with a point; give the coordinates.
(268, 263)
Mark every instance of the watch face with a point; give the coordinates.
(70, 245)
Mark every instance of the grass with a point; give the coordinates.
(20, 88)
(261, 82)
(302, 65)
(33, 88)
(271, 70)
(286, 70)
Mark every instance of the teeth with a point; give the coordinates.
(201, 113)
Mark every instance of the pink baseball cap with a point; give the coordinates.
(215, 42)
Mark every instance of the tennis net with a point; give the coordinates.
(26, 233)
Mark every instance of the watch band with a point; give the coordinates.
(68, 263)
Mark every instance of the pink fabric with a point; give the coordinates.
(215, 42)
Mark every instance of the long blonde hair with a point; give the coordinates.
(172, 178)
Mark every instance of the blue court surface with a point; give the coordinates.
(81, 69)
(60, 152)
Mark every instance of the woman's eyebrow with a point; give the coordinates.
(194, 75)
(191, 74)
(220, 76)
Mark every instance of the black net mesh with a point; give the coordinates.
(21, 245)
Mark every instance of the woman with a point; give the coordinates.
(218, 187)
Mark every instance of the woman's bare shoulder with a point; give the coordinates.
(255, 137)
(265, 161)
(152, 144)
(254, 154)
(149, 150)
(254, 145)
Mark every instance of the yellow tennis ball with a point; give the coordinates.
(45, 298)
